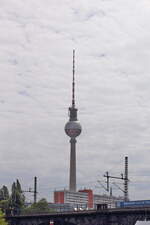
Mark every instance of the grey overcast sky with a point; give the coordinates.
(112, 43)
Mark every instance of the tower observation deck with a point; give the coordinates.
(73, 129)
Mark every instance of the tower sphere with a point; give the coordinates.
(73, 129)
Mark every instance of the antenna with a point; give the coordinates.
(73, 81)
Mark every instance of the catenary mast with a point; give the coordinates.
(73, 129)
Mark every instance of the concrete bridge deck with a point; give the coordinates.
(113, 216)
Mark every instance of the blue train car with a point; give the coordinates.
(139, 203)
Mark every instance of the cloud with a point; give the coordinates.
(111, 39)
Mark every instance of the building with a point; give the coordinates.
(75, 199)
(84, 199)
(110, 200)
(90, 197)
(66, 207)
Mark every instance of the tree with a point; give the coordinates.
(17, 198)
(18, 186)
(4, 205)
(2, 219)
(4, 193)
(40, 207)
(4, 198)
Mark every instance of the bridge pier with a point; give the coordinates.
(122, 220)
(29, 222)
(86, 220)
(79, 220)
(98, 220)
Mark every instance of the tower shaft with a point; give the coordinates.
(72, 178)
(73, 129)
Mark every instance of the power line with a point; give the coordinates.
(34, 191)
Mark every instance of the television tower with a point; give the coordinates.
(73, 129)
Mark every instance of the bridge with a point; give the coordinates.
(116, 216)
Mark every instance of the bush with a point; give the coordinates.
(39, 207)
(2, 219)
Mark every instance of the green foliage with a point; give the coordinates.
(18, 186)
(17, 197)
(14, 201)
(2, 219)
(4, 198)
(4, 204)
(40, 207)
(4, 193)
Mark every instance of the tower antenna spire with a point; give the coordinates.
(73, 81)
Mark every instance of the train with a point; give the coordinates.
(123, 204)
(130, 204)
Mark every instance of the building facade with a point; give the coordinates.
(85, 199)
